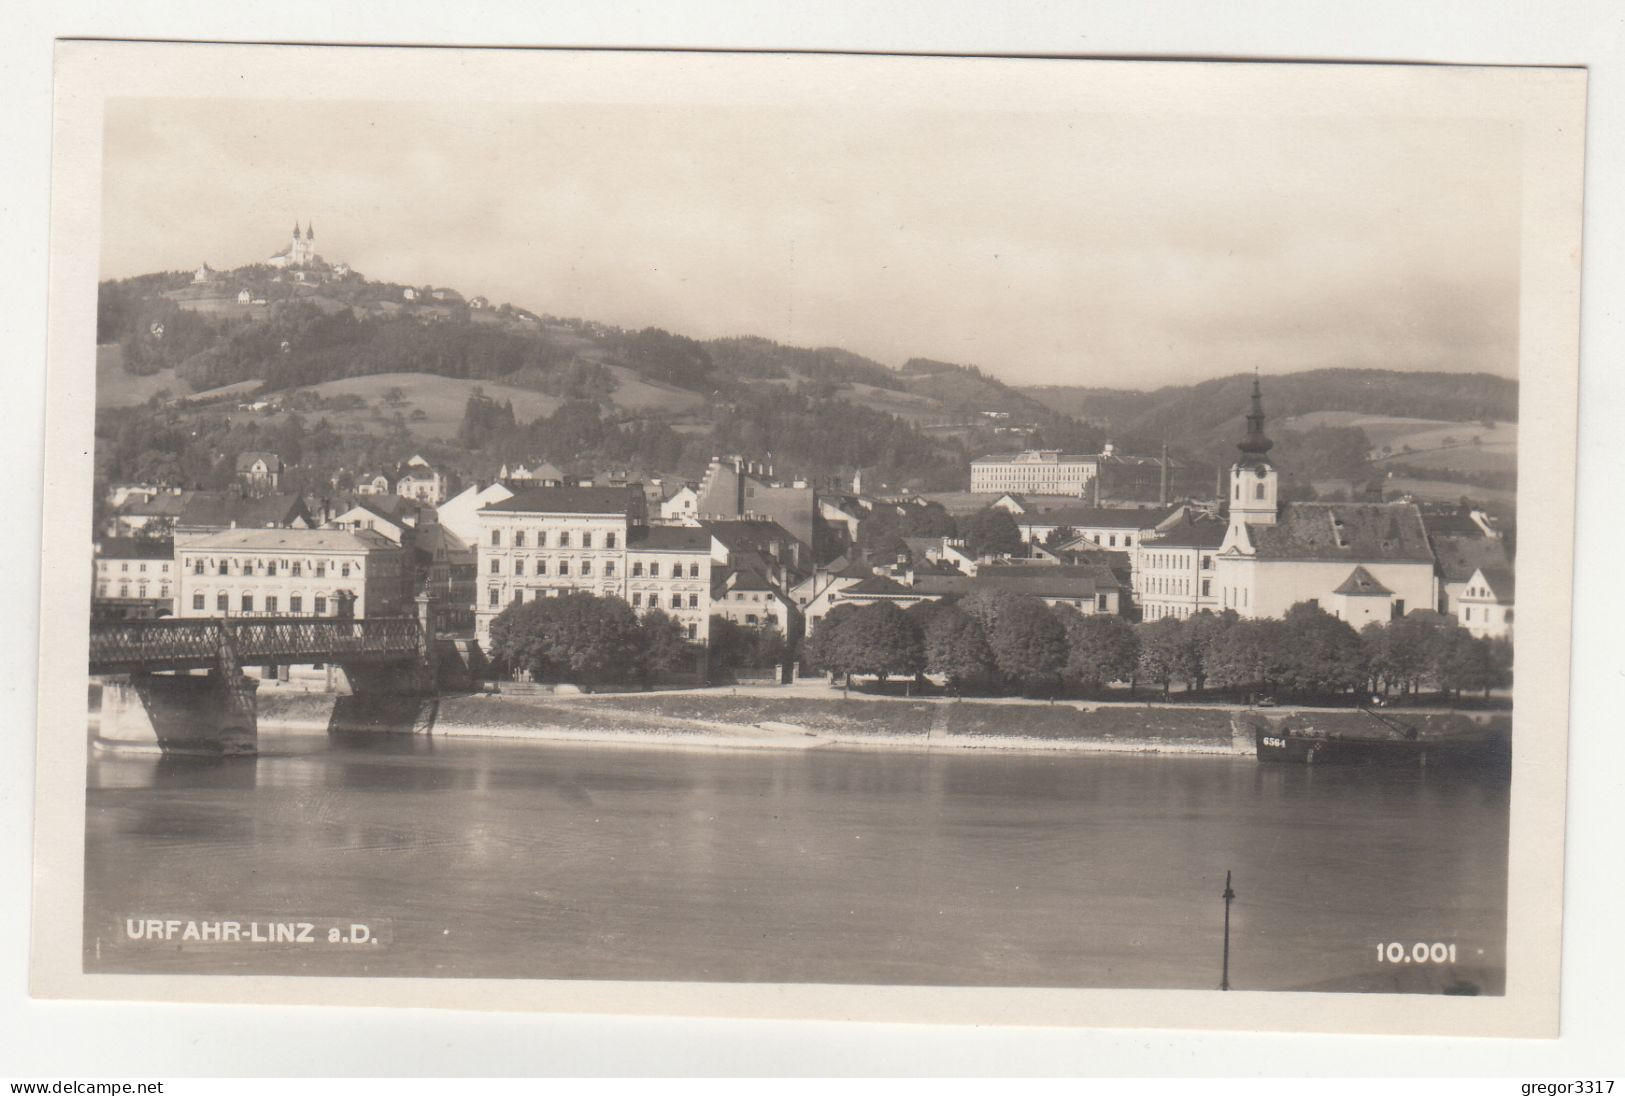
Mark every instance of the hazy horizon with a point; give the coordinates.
(1042, 247)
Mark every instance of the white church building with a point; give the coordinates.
(1359, 561)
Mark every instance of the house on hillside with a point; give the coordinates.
(421, 481)
(259, 470)
(1486, 603)
(374, 483)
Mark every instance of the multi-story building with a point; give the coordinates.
(548, 539)
(134, 579)
(291, 572)
(1175, 570)
(259, 471)
(1044, 471)
(669, 567)
(1102, 526)
(1486, 604)
(422, 482)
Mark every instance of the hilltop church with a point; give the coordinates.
(300, 253)
(1358, 561)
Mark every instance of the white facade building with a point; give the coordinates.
(1041, 471)
(291, 572)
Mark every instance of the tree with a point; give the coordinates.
(577, 637)
(1165, 653)
(1100, 649)
(1202, 631)
(1028, 642)
(1059, 536)
(1322, 654)
(830, 648)
(664, 646)
(1246, 655)
(883, 641)
(957, 648)
(991, 532)
(1464, 662)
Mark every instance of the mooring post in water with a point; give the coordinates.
(1229, 896)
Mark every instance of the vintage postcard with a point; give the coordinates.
(899, 538)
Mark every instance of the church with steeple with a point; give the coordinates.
(299, 254)
(1360, 561)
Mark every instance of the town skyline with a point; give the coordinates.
(1375, 245)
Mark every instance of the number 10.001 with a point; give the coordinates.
(1416, 953)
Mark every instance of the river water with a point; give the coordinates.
(499, 859)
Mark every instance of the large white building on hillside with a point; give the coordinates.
(1358, 561)
(1034, 471)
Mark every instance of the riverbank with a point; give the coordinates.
(771, 722)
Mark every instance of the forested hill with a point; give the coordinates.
(1209, 407)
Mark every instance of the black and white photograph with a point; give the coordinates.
(893, 529)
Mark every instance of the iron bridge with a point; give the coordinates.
(136, 646)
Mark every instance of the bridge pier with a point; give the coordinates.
(216, 715)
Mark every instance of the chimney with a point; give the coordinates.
(1162, 491)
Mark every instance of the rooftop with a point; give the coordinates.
(1354, 531)
(224, 509)
(567, 500)
(1189, 533)
(135, 548)
(1362, 583)
(668, 538)
(295, 540)
(1100, 517)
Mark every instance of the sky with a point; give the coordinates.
(1044, 246)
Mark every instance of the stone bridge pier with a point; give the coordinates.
(210, 715)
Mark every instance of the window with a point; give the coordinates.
(270, 603)
(1399, 607)
(321, 605)
(1101, 603)
(518, 566)
(163, 589)
(677, 601)
(298, 569)
(496, 566)
(101, 591)
(693, 601)
(654, 569)
(541, 567)
(496, 597)
(496, 538)
(519, 539)
(124, 590)
(750, 618)
(248, 603)
(344, 570)
(1128, 541)
(637, 568)
(637, 601)
(564, 567)
(1113, 541)
(1258, 491)
(296, 603)
(586, 566)
(1238, 491)
(609, 540)
(1206, 584)
(197, 567)
(564, 538)
(270, 569)
(197, 601)
(693, 570)
(519, 597)
(125, 567)
(609, 568)
(586, 540)
(693, 631)
(223, 568)
(221, 602)
(141, 591)
(321, 568)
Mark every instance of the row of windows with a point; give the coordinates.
(1485, 615)
(562, 570)
(124, 590)
(270, 568)
(247, 604)
(124, 566)
(1156, 560)
(560, 541)
(494, 596)
(1111, 539)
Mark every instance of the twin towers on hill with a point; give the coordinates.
(300, 253)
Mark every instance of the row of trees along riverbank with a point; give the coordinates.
(1007, 643)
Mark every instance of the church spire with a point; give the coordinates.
(1255, 444)
(310, 231)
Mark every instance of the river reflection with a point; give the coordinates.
(503, 859)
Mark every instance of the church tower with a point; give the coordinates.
(1254, 483)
